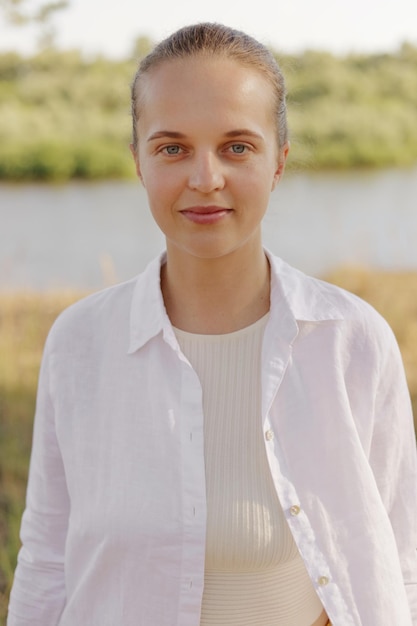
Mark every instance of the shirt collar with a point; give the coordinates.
(306, 298)
(148, 315)
(294, 296)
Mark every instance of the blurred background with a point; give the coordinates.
(73, 218)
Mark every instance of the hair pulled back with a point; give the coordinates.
(215, 40)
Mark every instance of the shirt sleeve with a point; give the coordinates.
(394, 461)
(38, 592)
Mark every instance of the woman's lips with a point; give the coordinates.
(205, 214)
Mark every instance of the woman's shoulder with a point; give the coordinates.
(314, 299)
(105, 311)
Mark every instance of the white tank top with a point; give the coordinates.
(254, 574)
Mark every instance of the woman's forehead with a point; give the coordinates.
(205, 82)
(204, 100)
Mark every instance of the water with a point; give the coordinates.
(86, 235)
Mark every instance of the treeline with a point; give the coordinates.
(65, 116)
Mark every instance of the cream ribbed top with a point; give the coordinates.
(254, 575)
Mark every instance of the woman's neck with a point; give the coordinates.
(216, 296)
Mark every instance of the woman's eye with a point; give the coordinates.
(172, 150)
(238, 148)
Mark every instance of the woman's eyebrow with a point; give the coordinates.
(243, 131)
(172, 134)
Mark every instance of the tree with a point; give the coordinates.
(23, 12)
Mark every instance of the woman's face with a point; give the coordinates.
(207, 153)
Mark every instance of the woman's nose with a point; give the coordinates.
(206, 173)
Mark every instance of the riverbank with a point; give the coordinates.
(25, 321)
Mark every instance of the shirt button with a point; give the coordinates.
(269, 435)
(323, 581)
(295, 509)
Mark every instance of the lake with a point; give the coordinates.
(87, 235)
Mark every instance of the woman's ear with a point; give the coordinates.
(136, 160)
(282, 159)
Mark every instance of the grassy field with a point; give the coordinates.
(24, 322)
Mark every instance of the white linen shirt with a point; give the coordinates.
(114, 529)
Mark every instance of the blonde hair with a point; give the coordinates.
(215, 40)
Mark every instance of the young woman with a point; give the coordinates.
(222, 441)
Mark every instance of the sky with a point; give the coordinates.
(340, 26)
